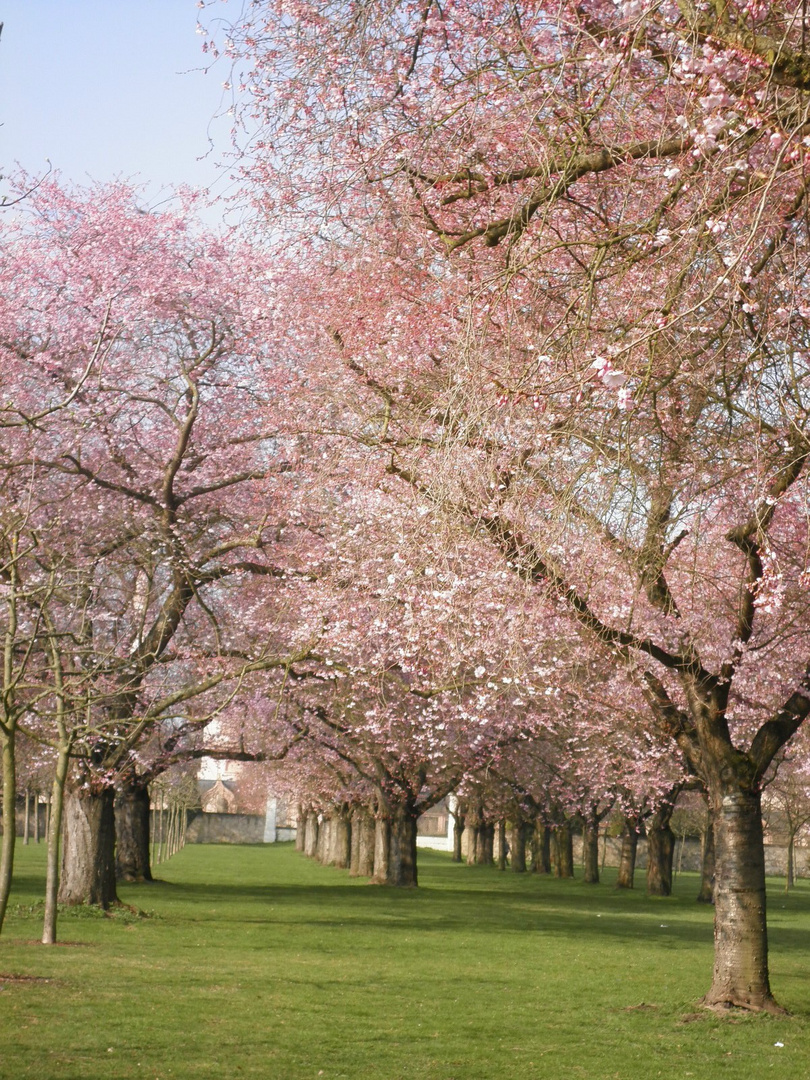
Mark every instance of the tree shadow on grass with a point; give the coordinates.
(456, 897)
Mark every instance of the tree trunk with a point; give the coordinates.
(340, 840)
(88, 858)
(471, 833)
(132, 831)
(458, 832)
(660, 851)
(474, 821)
(485, 844)
(707, 860)
(541, 849)
(368, 832)
(517, 846)
(382, 848)
(55, 809)
(9, 821)
(502, 845)
(563, 851)
(311, 830)
(402, 848)
(322, 847)
(300, 828)
(354, 852)
(740, 934)
(27, 817)
(590, 852)
(627, 859)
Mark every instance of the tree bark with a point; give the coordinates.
(9, 821)
(458, 832)
(563, 851)
(382, 848)
(485, 844)
(740, 935)
(88, 857)
(340, 840)
(322, 846)
(402, 849)
(629, 850)
(368, 833)
(354, 852)
(541, 849)
(660, 851)
(311, 830)
(590, 852)
(55, 814)
(517, 846)
(132, 831)
(502, 846)
(707, 860)
(300, 828)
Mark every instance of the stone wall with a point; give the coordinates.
(206, 828)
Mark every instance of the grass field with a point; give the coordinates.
(255, 962)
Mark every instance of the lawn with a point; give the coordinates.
(254, 962)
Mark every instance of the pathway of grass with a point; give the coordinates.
(260, 964)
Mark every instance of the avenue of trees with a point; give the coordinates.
(484, 470)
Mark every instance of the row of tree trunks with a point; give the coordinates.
(381, 847)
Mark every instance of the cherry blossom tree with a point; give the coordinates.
(144, 404)
(562, 246)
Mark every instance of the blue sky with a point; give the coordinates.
(108, 89)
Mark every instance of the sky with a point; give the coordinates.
(111, 89)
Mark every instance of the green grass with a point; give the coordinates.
(258, 963)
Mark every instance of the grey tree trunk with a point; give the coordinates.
(354, 854)
(311, 830)
(502, 846)
(324, 834)
(590, 852)
(563, 851)
(517, 846)
(458, 832)
(88, 856)
(660, 851)
(382, 847)
(485, 844)
(368, 832)
(9, 820)
(629, 850)
(541, 849)
(740, 935)
(706, 894)
(340, 840)
(55, 814)
(132, 831)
